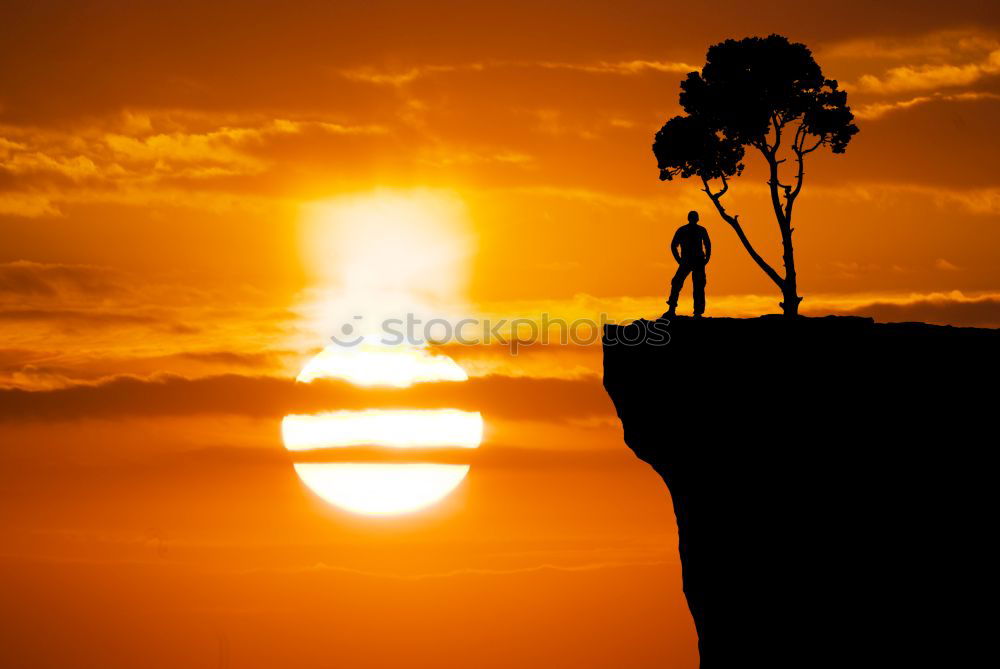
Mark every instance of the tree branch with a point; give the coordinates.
(799, 153)
(822, 140)
(734, 222)
(777, 134)
(773, 182)
(800, 136)
(717, 196)
(790, 196)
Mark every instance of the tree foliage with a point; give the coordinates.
(687, 147)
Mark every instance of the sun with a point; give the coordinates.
(377, 256)
(381, 489)
(372, 364)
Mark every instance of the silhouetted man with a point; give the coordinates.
(695, 252)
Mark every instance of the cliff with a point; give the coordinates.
(832, 480)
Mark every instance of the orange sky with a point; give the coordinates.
(156, 304)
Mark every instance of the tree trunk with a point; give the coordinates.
(789, 287)
(787, 284)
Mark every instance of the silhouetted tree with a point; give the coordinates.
(755, 92)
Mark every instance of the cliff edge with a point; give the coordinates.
(832, 479)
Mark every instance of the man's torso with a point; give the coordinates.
(691, 238)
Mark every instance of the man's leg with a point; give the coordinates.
(677, 283)
(699, 280)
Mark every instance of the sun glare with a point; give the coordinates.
(377, 256)
(386, 253)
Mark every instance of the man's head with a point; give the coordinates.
(692, 217)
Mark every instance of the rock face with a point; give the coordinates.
(833, 481)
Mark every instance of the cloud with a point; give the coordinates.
(399, 78)
(672, 204)
(475, 572)
(938, 45)
(978, 201)
(931, 76)
(966, 310)
(623, 123)
(35, 369)
(77, 317)
(255, 360)
(545, 383)
(26, 162)
(943, 264)
(83, 322)
(944, 309)
(139, 158)
(403, 77)
(449, 156)
(984, 201)
(877, 110)
(73, 297)
(223, 148)
(623, 67)
(500, 397)
(925, 62)
(24, 278)
(497, 456)
(27, 205)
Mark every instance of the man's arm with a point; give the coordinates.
(708, 248)
(674, 244)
